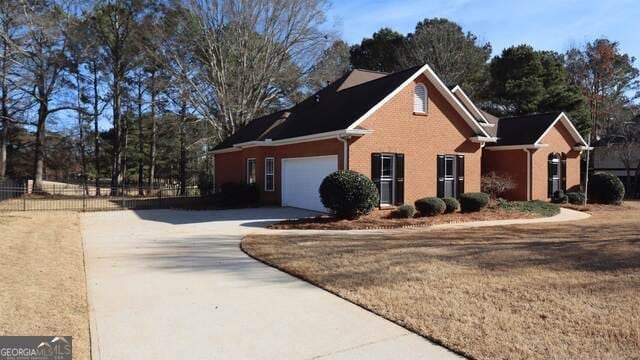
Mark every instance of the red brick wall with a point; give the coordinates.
(512, 163)
(560, 141)
(230, 167)
(421, 138)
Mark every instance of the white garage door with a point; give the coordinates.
(301, 179)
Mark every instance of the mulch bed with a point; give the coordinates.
(384, 219)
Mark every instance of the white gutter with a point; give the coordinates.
(345, 152)
(483, 139)
(295, 140)
(517, 147)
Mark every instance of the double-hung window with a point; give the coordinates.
(269, 174)
(251, 171)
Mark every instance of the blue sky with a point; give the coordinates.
(544, 24)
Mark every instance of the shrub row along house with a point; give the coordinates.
(410, 133)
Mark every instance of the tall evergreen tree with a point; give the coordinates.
(527, 81)
(381, 52)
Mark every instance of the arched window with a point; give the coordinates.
(420, 99)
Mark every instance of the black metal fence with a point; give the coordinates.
(21, 196)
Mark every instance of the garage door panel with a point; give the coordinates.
(301, 179)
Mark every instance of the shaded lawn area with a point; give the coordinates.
(564, 290)
(42, 279)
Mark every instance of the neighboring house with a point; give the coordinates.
(412, 135)
(607, 157)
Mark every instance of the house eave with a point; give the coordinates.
(295, 140)
(516, 147)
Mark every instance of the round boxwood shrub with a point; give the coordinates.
(605, 188)
(452, 205)
(430, 206)
(473, 201)
(405, 211)
(348, 194)
(575, 198)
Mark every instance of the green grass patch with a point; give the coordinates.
(534, 206)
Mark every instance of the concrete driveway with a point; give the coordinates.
(169, 284)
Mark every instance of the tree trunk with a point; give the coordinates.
(154, 132)
(40, 142)
(116, 158)
(140, 142)
(96, 138)
(4, 111)
(183, 150)
(125, 144)
(83, 158)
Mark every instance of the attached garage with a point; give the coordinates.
(301, 179)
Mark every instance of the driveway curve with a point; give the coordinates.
(167, 284)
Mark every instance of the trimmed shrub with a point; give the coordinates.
(605, 188)
(405, 211)
(430, 206)
(239, 195)
(559, 197)
(575, 198)
(472, 202)
(348, 194)
(452, 205)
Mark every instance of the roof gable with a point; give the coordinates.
(530, 130)
(343, 105)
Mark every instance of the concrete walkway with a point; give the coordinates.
(167, 284)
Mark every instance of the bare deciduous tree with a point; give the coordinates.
(245, 53)
(496, 184)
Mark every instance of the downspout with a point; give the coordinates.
(345, 152)
(528, 173)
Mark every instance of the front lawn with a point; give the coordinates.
(388, 219)
(42, 279)
(553, 290)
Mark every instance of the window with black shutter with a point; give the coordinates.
(459, 175)
(554, 171)
(440, 174)
(387, 172)
(375, 169)
(563, 172)
(399, 179)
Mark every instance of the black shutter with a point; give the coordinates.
(399, 179)
(550, 166)
(376, 169)
(440, 175)
(563, 173)
(459, 175)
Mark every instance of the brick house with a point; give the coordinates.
(410, 133)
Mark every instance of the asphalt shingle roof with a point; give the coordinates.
(524, 129)
(333, 108)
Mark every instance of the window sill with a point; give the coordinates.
(419, 113)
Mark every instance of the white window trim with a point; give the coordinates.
(247, 170)
(272, 174)
(425, 101)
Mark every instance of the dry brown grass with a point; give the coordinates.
(532, 291)
(42, 279)
(386, 219)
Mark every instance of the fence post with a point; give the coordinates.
(24, 195)
(84, 199)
